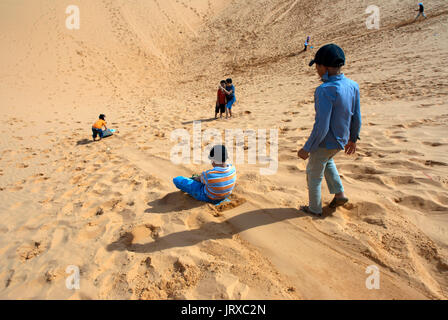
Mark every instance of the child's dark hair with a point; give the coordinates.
(102, 116)
(221, 155)
(223, 82)
(229, 81)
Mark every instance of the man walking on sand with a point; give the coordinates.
(421, 11)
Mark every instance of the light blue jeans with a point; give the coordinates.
(230, 103)
(420, 14)
(194, 189)
(321, 164)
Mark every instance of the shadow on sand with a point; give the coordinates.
(209, 231)
(201, 120)
(174, 201)
(83, 142)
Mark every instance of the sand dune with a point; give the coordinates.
(152, 67)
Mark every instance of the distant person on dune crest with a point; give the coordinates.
(337, 126)
(212, 186)
(97, 127)
(221, 100)
(230, 96)
(307, 43)
(421, 11)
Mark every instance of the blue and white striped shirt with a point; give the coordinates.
(219, 182)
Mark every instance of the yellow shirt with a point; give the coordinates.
(99, 124)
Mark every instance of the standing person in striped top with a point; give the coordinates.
(213, 185)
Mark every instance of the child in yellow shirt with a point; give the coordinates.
(97, 128)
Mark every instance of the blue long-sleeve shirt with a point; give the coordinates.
(338, 114)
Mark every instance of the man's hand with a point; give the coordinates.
(303, 154)
(350, 148)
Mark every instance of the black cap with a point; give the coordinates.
(330, 55)
(218, 154)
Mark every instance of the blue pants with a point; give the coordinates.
(96, 132)
(194, 189)
(321, 164)
(420, 14)
(230, 103)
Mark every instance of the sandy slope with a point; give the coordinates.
(152, 67)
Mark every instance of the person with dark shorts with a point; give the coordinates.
(307, 43)
(421, 11)
(221, 101)
(97, 127)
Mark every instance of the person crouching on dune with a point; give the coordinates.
(97, 127)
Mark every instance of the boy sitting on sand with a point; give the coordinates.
(98, 126)
(337, 126)
(212, 186)
(221, 100)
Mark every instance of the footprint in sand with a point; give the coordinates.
(425, 105)
(433, 144)
(420, 203)
(395, 244)
(429, 163)
(141, 234)
(300, 167)
(40, 177)
(54, 275)
(15, 189)
(91, 231)
(432, 163)
(364, 209)
(363, 170)
(29, 251)
(9, 278)
(235, 201)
